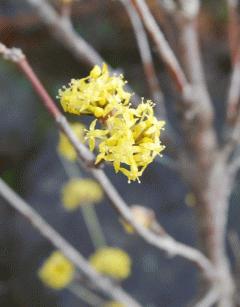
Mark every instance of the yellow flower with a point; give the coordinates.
(57, 271)
(77, 192)
(130, 139)
(111, 261)
(97, 94)
(113, 304)
(65, 148)
(127, 137)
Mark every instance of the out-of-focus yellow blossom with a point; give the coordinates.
(65, 148)
(77, 192)
(125, 136)
(142, 216)
(111, 261)
(113, 304)
(190, 200)
(97, 94)
(57, 271)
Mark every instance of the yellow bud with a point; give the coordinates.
(111, 261)
(98, 112)
(57, 271)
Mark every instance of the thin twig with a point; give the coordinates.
(64, 32)
(146, 56)
(163, 48)
(232, 125)
(166, 243)
(67, 249)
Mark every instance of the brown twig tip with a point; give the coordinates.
(11, 54)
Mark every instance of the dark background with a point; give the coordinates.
(29, 163)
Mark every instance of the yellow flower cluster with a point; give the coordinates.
(97, 94)
(113, 304)
(77, 192)
(65, 148)
(126, 136)
(111, 261)
(57, 271)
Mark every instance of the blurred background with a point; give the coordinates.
(30, 164)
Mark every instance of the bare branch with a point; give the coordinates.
(232, 125)
(163, 47)
(146, 56)
(68, 250)
(186, 19)
(166, 243)
(64, 32)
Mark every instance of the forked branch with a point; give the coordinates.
(101, 283)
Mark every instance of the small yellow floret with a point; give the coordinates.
(77, 192)
(113, 304)
(111, 261)
(65, 148)
(97, 94)
(130, 139)
(57, 271)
